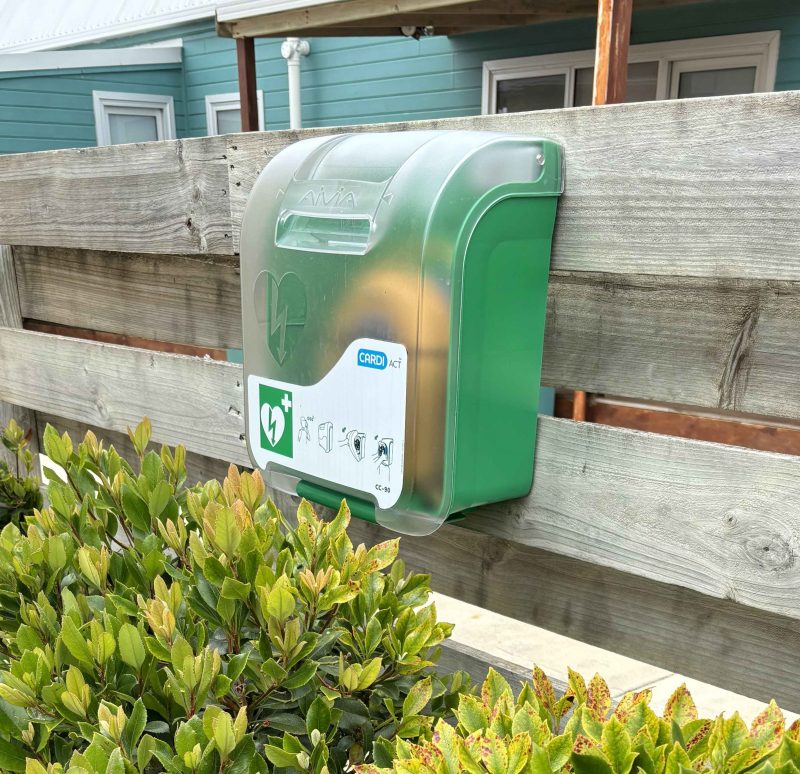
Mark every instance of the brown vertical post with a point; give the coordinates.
(11, 317)
(610, 82)
(248, 93)
(611, 54)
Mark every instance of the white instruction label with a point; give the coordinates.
(348, 429)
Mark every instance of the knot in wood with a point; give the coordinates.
(770, 552)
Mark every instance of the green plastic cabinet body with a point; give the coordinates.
(394, 288)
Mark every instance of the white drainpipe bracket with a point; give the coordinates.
(292, 49)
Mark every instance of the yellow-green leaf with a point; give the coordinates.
(369, 674)
(471, 714)
(680, 707)
(74, 641)
(599, 698)
(73, 704)
(224, 736)
(226, 532)
(382, 554)
(131, 646)
(617, 746)
(419, 695)
(280, 603)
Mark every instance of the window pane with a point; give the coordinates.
(229, 121)
(540, 93)
(642, 83)
(716, 83)
(132, 128)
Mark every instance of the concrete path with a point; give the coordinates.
(526, 645)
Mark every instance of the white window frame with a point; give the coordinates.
(745, 50)
(718, 63)
(160, 106)
(230, 101)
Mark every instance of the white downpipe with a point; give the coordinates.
(291, 50)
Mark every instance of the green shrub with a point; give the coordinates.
(580, 733)
(19, 490)
(148, 625)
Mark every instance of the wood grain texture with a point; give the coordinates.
(667, 420)
(124, 340)
(11, 317)
(361, 16)
(611, 58)
(715, 343)
(717, 519)
(248, 89)
(156, 197)
(193, 300)
(190, 400)
(705, 187)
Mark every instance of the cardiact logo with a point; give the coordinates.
(372, 358)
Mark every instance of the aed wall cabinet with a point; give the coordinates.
(393, 298)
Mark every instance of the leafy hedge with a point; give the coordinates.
(581, 733)
(147, 625)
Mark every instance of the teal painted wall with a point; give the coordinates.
(346, 80)
(43, 110)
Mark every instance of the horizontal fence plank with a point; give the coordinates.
(719, 641)
(193, 300)
(191, 400)
(701, 187)
(167, 197)
(717, 519)
(717, 343)
(705, 187)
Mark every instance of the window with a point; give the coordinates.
(121, 118)
(702, 67)
(224, 114)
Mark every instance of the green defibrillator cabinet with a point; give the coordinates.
(394, 288)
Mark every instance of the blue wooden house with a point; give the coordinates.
(97, 72)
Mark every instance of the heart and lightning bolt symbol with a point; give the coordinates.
(274, 419)
(286, 302)
(277, 324)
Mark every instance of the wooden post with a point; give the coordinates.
(611, 54)
(248, 92)
(610, 82)
(11, 317)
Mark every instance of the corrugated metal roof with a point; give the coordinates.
(38, 25)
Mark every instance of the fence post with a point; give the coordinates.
(11, 317)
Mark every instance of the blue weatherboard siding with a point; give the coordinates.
(350, 80)
(43, 110)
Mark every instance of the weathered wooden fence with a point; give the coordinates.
(675, 276)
